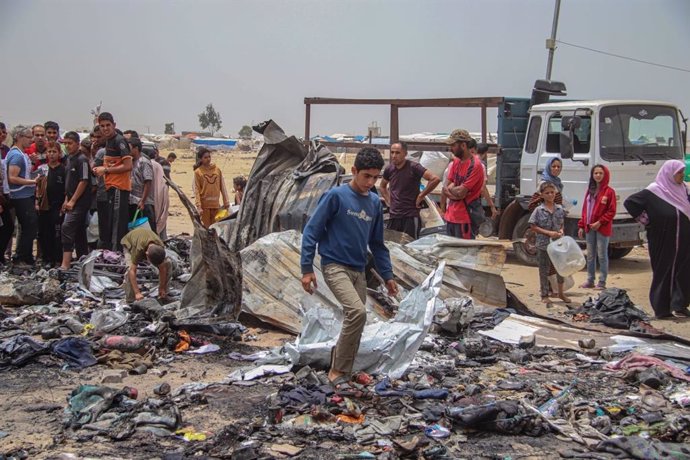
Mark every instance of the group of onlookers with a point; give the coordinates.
(664, 209)
(54, 188)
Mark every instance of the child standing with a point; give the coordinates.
(596, 224)
(50, 195)
(547, 222)
(209, 187)
(238, 184)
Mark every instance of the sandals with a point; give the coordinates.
(685, 313)
(587, 285)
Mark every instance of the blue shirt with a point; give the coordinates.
(343, 225)
(16, 157)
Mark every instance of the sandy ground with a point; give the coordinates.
(632, 273)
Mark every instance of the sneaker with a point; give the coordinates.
(600, 286)
(587, 285)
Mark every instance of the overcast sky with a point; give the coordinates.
(157, 61)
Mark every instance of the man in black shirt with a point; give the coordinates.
(77, 201)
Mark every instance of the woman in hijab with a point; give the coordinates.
(664, 209)
(596, 224)
(551, 173)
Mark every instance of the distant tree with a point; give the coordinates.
(210, 119)
(245, 132)
(170, 128)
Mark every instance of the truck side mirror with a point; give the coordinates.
(565, 144)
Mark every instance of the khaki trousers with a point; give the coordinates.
(127, 286)
(350, 289)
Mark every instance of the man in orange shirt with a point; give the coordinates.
(116, 169)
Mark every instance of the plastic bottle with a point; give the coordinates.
(568, 203)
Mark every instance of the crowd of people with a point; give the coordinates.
(53, 187)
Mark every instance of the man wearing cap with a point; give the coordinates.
(464, 186)
(403, 196)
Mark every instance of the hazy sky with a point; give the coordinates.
(157, 61)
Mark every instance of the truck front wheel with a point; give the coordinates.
(619, 253)
(525, 251)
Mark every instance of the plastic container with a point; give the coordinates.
(137, 221)
(568, 203)
(566, 256)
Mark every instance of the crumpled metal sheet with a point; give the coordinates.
(285, 184)
(550, 333)
(474, 254)
(410, 266)
(214, 288)
(272, 290)
(387, 347)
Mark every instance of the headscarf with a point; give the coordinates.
(666, 188)
(548, 177)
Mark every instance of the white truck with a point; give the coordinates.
(632, 138)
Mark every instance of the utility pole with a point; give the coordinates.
(551, 42)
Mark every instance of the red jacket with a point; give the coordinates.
(604, 207)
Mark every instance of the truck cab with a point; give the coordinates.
(631, 138)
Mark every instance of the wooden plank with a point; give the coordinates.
(307, 122)
(434, 102)
(395, 126)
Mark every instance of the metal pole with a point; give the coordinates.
(551, 42)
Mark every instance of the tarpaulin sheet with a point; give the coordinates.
(214, 288)
(387, 347)
(285, 185)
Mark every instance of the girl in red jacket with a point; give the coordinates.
(598, 210)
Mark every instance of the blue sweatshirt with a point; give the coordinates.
(342, 225)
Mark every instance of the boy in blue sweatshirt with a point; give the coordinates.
(347, 220)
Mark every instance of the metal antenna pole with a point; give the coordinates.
(551, 42)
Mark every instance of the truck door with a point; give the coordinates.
(531, 154)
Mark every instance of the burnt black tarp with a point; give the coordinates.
(215, 286)
(284, 187)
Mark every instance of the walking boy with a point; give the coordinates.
(546, 222)
(347, 220)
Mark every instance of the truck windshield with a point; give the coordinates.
(639, 133)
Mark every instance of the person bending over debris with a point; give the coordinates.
(404, 197)
(347, 220)
(143, 244)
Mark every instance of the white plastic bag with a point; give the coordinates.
(92, 229)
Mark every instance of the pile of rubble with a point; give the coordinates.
(456, 367)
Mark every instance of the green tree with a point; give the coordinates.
(170, 128)
(245, 132)
(210, 119)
